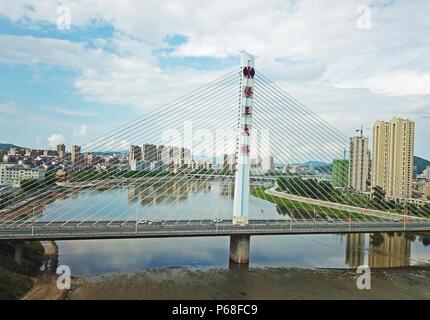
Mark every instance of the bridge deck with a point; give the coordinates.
(122, 229)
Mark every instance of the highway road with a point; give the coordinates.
(205, 228)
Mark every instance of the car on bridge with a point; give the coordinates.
(217, 220)
(395, 220)
(155, 222)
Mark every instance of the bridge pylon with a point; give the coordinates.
(241, 186)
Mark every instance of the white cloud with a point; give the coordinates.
(311, 48)
(82, 131)
(55, 139)
(74, 113)
(106, 77)
(404, 83)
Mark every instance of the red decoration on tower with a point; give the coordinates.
(248, 92)
(245, 148)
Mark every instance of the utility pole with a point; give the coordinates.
(137, 212)
(32, 225)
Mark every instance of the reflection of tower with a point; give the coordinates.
(145, 194)
(241, 190)
(132, 193)
(394, 251)
(354, 254)
(226, 189)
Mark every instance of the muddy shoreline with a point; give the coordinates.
(44, 285)
(265, 283)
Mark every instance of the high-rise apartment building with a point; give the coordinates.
(61, 148)
(134, 154)
(149, 152)
(160, 150)
(76, 157)
(358, 163)
(229, 162)
(393, 157)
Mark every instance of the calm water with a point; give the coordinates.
(197, 200)
(171, 201)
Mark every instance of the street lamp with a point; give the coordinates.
(137, 212)
(32, 225)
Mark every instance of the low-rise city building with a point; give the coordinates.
(139, 165)
(12, 174)
(425, 175)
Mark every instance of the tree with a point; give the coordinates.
(424, 210)
(376, 239)
(425, 240)
(48, 180)
(29, 184)
(378, 197)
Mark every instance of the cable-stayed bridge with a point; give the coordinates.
(244, 122)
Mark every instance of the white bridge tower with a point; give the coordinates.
(241, 186)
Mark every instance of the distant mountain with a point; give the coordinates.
(421, 164)
(316, 164)
(319, 166)
(7, 146)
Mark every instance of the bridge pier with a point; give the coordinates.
(239, 251)
(19, 247)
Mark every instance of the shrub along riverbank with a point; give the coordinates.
(16, 280)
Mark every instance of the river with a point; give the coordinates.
(200, 267)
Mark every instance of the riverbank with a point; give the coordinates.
(259, 283)
(45, 284)
(17, 279)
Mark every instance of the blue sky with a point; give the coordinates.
(74, 85)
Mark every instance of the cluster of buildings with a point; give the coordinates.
(259, 164)
(389, 164)
(17, 164)
(303, 169)
(150, 157)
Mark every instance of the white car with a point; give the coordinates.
(395, 220)
(329, 220)
(143, 222)
(155, 222)
(217, 220)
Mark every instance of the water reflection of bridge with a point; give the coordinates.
(385, 250)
